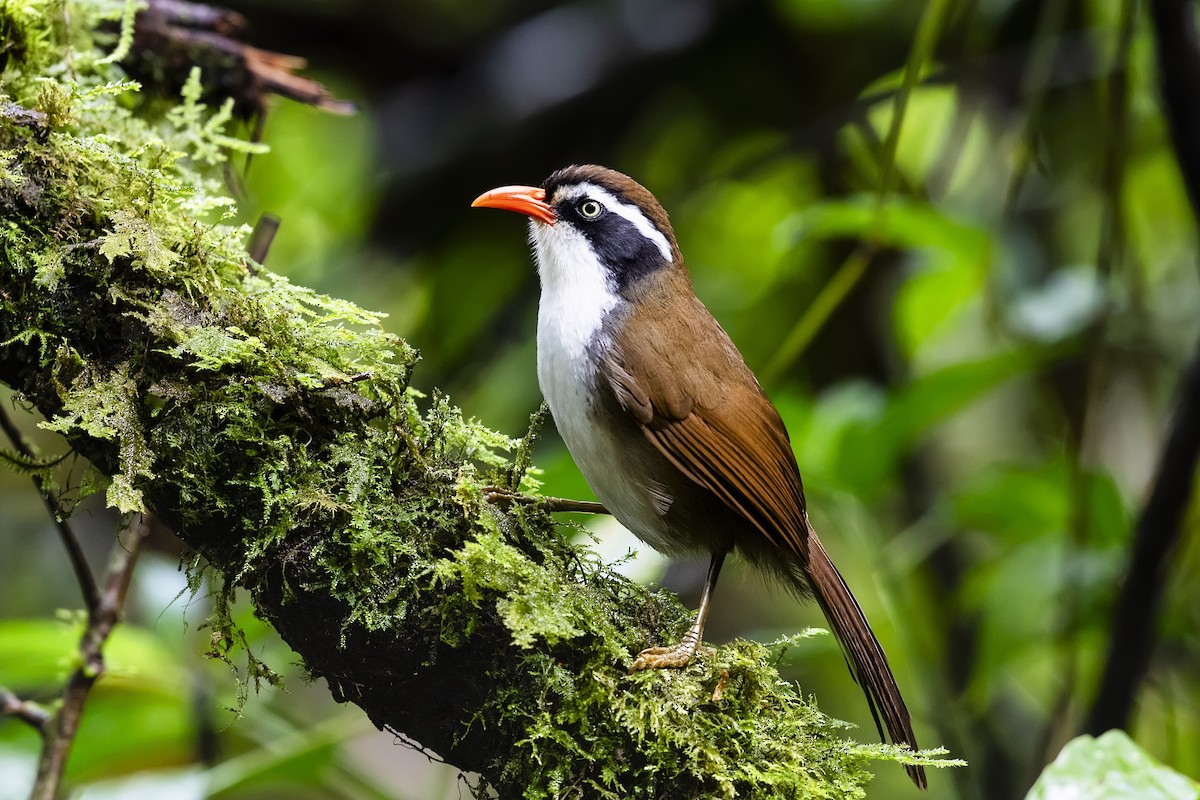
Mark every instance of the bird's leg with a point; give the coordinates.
(681, 654)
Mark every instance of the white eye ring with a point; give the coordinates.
(590, 209)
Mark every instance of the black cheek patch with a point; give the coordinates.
(622, 249)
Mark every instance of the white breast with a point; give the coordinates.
(576, 298)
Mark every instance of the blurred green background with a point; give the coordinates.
(976, 419)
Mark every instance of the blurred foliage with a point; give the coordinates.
(163, 723)
(976, 420)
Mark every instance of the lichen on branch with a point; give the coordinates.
(275, 430)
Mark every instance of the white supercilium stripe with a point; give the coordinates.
(630, 212)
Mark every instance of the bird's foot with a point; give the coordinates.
(665, 657)
(662, 658)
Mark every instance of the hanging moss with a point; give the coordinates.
(274, 429)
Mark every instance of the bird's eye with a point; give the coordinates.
(590, 209)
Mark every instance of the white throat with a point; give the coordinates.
(576, 297)
(577, 294)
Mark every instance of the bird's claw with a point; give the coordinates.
(663, 657)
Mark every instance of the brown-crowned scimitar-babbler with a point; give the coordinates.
(665, 420)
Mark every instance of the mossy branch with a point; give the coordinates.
(232, 404)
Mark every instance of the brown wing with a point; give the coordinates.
(696, 401)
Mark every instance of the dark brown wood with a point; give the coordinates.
(31, 714)
(173, 36)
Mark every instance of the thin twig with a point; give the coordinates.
(1116, 149)
(1034, 86)
(505, 498)
(262, 236)
(855, 266)
(557, 504)
(1159, 528)
(67, 49)
(62, 727)
(835, 290)
(83, 572)
(30, 713)
(1097, 367)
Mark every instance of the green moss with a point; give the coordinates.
(274, 429)
(107, 409)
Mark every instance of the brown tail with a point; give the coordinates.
(865, 657)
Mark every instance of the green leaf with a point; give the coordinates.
(1111, 767)
(950, 268)
(749, 222)
(303, 756)
(1017, 502)
(871, 449)
(116, 244)
(139, 715)
(1022, 501)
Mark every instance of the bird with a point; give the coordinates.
(665, 420)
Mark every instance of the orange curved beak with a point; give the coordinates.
(528, 200)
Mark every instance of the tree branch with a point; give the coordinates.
(1159, 528)
(60, 729)
(273, 428)
(173, 36)
(83, 572)
(30, 713)
(1134, 628)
